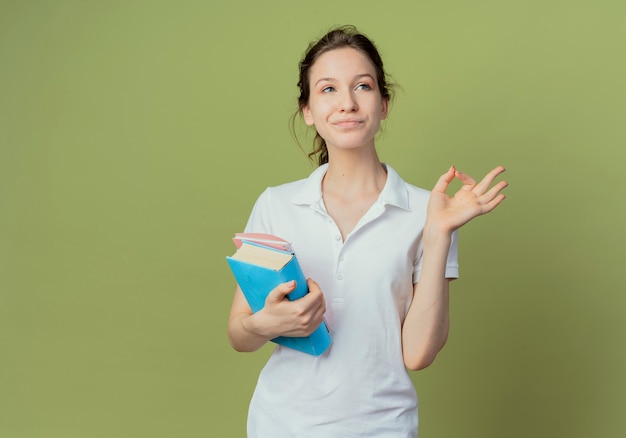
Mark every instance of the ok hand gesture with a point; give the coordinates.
(447, 213)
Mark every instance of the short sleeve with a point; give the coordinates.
(259, 220)
(452, 264)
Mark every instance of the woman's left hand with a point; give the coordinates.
(448, 213)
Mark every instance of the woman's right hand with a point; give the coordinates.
(283, 317)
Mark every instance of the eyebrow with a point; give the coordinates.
(362, 75)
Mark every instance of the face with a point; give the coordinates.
(345, 104)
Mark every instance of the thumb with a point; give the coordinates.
(445, 180)
(281, 291)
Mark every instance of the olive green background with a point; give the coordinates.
(136, 135)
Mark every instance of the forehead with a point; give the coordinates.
(341, 63)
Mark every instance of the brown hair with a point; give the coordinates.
(339, 37)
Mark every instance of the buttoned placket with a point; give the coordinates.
(339, 245)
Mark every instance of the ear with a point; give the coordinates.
(307, 116)
(385, 109)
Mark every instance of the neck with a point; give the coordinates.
(354, 171)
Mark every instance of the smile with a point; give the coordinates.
(347, 124)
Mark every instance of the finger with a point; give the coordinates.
(281, 291)
(488, 179)
(316, 294)
(317, 317)
(493, 192)
(313, 286)
(486, 208)
(316, 321)
(468, 181)
(310, 304)
(444, 180)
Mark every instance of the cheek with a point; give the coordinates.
(315, 110)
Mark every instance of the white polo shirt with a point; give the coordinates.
(359, 387)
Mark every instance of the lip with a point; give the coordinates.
(347, 123)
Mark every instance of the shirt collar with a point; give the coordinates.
(394, 192)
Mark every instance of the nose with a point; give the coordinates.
(348, 103)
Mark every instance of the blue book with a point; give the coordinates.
(262, 263)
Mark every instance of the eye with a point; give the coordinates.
(328, 89)
(363, 87)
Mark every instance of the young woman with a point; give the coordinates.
(379, 253)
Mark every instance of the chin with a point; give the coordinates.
(357, 142)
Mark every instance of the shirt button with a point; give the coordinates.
(341, 258)
(340, 276)
(338, 237)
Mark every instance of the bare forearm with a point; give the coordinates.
(426, 325)
(242, 334)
